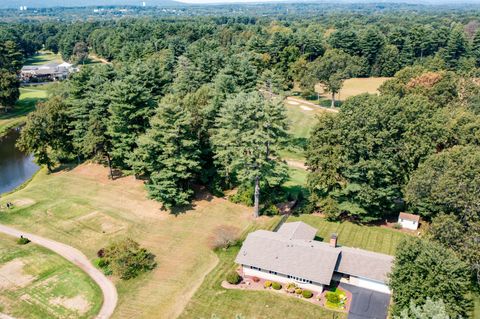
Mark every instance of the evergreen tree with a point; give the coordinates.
(130, 110)
(476, 47)
(457, 46)
(246, 139)
(168, 153)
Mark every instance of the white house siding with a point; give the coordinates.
(409, 224)
(247, 271)
(369, 284)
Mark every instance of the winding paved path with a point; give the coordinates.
(79, 259)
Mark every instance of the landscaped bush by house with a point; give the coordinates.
(126, 259)
(223, 237)
(299, 291)
(332, 297)
(23, 240)
(256, 279)
(307, 294)
(276, 286)
(291, 287)
(267, 284)
(233, 277)
(397, 226)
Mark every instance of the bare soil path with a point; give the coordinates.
(305, 102)
(79, 259)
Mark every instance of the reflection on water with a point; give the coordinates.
(15, 166)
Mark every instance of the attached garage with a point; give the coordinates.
(369, 284)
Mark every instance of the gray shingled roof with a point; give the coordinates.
(312, 260)
(297, 230)
(291, 251)
(363, 263)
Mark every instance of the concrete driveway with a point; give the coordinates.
(367, 304)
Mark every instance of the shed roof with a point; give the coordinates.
(409, 216)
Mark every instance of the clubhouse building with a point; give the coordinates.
(293, 255)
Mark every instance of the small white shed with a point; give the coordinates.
(409, 221)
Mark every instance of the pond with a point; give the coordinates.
(16, 167)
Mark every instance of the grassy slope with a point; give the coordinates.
(373, 238)
(84, 209)
(355, 86)
(301, 124)
(28, 97)
(44, 57)
(53, 277)
(211, 300)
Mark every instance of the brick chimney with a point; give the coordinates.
(333, 240)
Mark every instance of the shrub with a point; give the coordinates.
(127, 259)
(244, 195)
(397, 226)
(101, 253)
(332, 297)
(307, 294)
(271, 210)
(299, 291)
(276, 286)
(291, 287)
(256, 279)
(23, 240)
(223, 237)
(267, 284)
(233, 277)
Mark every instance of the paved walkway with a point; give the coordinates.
(305, 102)
(79, 259)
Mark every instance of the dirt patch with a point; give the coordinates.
(12, 275)
(77, 303)
(292, 103)
(102, 222)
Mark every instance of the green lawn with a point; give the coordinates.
(29, 96)
(43, 57)
(301, 124)
(37, 283)
(81, 207)
(213, 301)
(373, 238)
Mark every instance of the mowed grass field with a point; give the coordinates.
(302, 119)
(355, 86)
(213, 301)
(81, 207)
(29, 96)
(37, 283)
(44, 57)
(373, 238)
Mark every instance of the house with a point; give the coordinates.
(293, 255)
(46, 72)
(409, 221)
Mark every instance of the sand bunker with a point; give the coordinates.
(292, 103)
(12, 275)
(78, 303)
(306, 108)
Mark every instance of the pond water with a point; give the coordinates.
(16, 167)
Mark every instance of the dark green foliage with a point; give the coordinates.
(447, 182)
(248, 132)
(233, 278)
(244, 195)
(131, 107)
(9, 89)
(23, 240)
(361, 158)
(127, 259)
(425, 269)
(46, 132)
(168, 154)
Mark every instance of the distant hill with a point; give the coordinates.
(5, 4)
